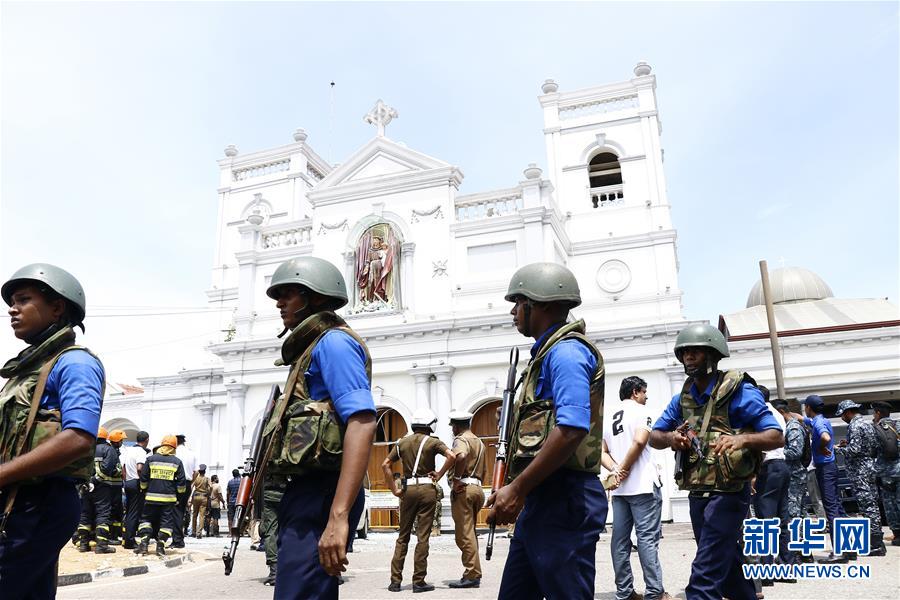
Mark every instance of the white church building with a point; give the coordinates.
(427, 264)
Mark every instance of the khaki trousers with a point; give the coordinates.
(464, 507)
(198, 504)
(417, 504)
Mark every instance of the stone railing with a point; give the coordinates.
(606, 105)
(295, 235)
(608, 195)
(482, 206)
(262, 169)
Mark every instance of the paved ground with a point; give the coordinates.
(369, 574)
(72, 561)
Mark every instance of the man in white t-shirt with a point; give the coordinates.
(132, 458)
(637, 501)
(189, 461)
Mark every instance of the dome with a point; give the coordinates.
(791, 285)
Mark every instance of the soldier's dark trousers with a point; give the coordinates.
(180, 510)
(88, 515)
(103, 504)
(42, 521)
(826, 476)
(164, 514)
(302, 516)
(117, 514)
(554, 550)
(717, 521)
(890, 497)
(134, 504)
(771, 501)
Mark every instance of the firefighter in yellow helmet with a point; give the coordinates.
(162, 479)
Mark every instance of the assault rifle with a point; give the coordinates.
(681, 459)
(503, 440)
(251, 481)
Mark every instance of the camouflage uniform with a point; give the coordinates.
(859, 462)
(888, 475)
(273, 490)
(793, 453)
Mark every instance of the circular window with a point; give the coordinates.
(613, 276)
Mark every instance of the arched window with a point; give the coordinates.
(605, 176)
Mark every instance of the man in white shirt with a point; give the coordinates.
(637, 501)
(132, 458)
(771, 497)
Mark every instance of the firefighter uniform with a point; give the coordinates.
(162, 480)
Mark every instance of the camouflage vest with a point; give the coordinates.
(731, 471)
(22, 374)
(306, 432)
(534, 418)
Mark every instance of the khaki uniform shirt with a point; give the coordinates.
(469, 443)
(201, 485)
(406, 449)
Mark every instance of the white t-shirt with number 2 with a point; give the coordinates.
(618, 432)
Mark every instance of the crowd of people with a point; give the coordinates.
(167, 495)
(737, 454)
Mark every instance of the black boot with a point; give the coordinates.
(102, 547)
(896, 540)
(84, 543)
(160, 549)
(142, 550)
(270, 580)
(876, 544)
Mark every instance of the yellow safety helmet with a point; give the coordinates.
(117, 435)
(102, 433)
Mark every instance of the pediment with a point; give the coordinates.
(380, 158)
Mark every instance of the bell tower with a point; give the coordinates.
(606, 163)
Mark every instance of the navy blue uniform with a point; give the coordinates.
(337, 371)
(552, 554)
(717, 517)
(45, 515)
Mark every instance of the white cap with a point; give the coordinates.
(461, 415)
(423, 417)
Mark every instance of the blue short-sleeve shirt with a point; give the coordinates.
(338, 371)
(565, 378)
(819, 426)
(747, 409)
(75, 388)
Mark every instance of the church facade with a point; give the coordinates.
(427, 264)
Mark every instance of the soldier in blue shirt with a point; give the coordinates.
(323, 428)
(554, 495)
(726, 411)
(46, 455)
(826, 469)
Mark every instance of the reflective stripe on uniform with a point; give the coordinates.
(160, 498)
(164, 471)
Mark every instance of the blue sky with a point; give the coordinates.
(780, 129)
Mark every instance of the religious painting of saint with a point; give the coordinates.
(377, 266)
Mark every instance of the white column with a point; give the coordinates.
(407, 249)
(423, 392)
(443, 400)
(205, 453)
(350, 277)
(236, 396)
(246, 280)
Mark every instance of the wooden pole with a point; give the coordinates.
(773, 331)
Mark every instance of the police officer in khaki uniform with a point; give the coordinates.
(418, 496)
(466, 495)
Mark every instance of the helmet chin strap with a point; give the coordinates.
(527, 317)
(296, 316)
(711, 365)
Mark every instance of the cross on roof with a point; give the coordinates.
(380, 116)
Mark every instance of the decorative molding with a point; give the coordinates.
(437, 212)
(613, 276)
(380, 116)
(343, 226)
(439, 268)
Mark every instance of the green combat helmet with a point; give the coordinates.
(317, 274)
(545, 282)
(703, 335)
(59, 280)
